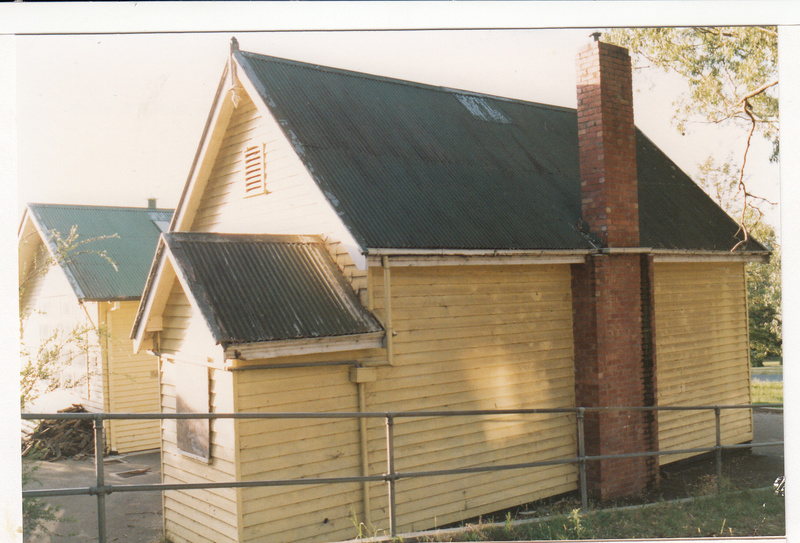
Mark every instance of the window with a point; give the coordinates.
(193, 396)
(255, 171)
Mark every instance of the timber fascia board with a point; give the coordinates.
(203, 162)
(154, 298)
(297, 347)
(660, 255)
(29, 225)
(450, 257)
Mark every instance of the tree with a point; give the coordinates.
(732, 75)
(764, 299)
(42, 364)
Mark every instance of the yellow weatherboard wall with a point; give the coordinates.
(475, 337)
(702, 353)
(490, 337)
(132, 384)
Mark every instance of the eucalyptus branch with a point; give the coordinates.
(756, 92)
(741, 185)
(716, 31)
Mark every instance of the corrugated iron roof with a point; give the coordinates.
(255, 288)
(408, 165)
(126, 235)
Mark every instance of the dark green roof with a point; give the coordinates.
(413, 166)
(253, 288)
(127, 237)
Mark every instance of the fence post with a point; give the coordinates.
(100, 477)
(717, 412)
(582, 463)
(390, 473)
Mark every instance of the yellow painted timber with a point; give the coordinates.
(702, 352)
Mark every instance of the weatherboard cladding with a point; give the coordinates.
(413, 166)
(255, 288)
(127, 236)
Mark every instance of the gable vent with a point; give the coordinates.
(255, 172)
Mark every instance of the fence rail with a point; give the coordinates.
(100, 489)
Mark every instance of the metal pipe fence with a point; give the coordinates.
(101, 489)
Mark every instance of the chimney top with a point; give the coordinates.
(596, 35)
(151, 203)
(607, 145)
(234, 45)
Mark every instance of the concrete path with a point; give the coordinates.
(131, 517)
(768, 427)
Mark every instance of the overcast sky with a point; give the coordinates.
(110, 119)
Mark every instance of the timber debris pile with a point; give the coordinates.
(54, 439)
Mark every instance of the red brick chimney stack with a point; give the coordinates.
(607, 144)
(612, 301)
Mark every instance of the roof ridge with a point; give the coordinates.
(99, 207)
(402, 82)
(220, 237)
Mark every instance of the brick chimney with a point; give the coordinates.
(607, 144)
(612, 295)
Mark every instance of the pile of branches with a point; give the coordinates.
(54, 439)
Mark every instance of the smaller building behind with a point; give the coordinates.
(82, 270)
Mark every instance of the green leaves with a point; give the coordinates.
(43, 364)
(729, 72)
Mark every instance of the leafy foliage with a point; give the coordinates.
(35, 511)
(764, 301)
(732, 72)
(64, 250)
(42, 364)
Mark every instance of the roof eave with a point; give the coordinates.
(111, 299)
(430, 257)
(676, 255)
(47, 241)
(184, 211)
(302, 346)
(146, 301)
(455, 257)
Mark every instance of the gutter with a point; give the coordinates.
(477, 252)
(435, 257)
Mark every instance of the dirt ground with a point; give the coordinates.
(135, 517)
(755, 468)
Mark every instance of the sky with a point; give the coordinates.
(104, 103)
(110, 119)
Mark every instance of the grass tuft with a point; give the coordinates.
(751, 513)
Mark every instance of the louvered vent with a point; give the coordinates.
(255, 173)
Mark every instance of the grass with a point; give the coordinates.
(739, 514)
(766, 392)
